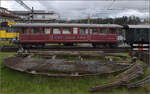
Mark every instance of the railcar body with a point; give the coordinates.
(40, 34)
(137, 34)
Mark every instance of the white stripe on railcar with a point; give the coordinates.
(141, 49)
(142, 45)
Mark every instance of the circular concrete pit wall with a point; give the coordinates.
(65, 67)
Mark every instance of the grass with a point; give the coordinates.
(5, 43)
(13, 82)
(122, 57)
(114, 58)
(84, 58)
(124, 54)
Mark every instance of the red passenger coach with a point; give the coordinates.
(41, 33)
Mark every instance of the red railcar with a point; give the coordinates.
(42, 33)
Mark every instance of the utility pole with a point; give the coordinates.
(27, 8)
(88, 19)
(32, 14)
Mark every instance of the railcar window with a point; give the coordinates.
(24, 30)
(35, 30)
(103, 30)
(75, 30)
(138, 30)
(83, 31)
(3, 28)
(15, 30)
(6, 29)
(56, 30)
(46, 30)
(112, 30)
(141, 30)
(66, 31)
(94, 30)
(121, 31)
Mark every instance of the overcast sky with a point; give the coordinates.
(74, 9)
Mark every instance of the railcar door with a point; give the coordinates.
(24, 34)
(103, 35)
(35, 34)
(46, 34)
(83, 34)
(57, 36)
(112, 35)
(67, 35)
(95, 34)
(98, 35)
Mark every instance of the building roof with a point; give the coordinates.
(6, 13)
(3, 14)
(3, 8)
(66, 25)
(139, 26)
(21, 12)
(43, 12)
(35, 12)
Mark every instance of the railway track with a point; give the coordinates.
(66, 48)
(139, 83)
(123, 79)
(8, 49)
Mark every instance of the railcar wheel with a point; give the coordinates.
(107, 45)
(113, 46)
(94, 45)
(68, 44)
(38, 45)
(41, 45)
(26, 46)
(98, 45)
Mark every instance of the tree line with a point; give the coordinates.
(120, 20)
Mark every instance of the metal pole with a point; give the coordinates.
(0, 3)
(88, 19)
(32, 12)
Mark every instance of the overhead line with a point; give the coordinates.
(23, 4)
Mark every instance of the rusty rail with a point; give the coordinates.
(65, 48)
(8, 49)
(122, 79)
(139, 83)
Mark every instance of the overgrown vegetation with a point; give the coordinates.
(114, 58)
(13, 82)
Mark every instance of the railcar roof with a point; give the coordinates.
(139, 26)
(65, 25)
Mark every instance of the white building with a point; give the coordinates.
(37, 16)
(6, 15)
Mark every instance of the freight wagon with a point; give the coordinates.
(6, 33)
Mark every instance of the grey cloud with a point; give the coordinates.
(83, 9)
